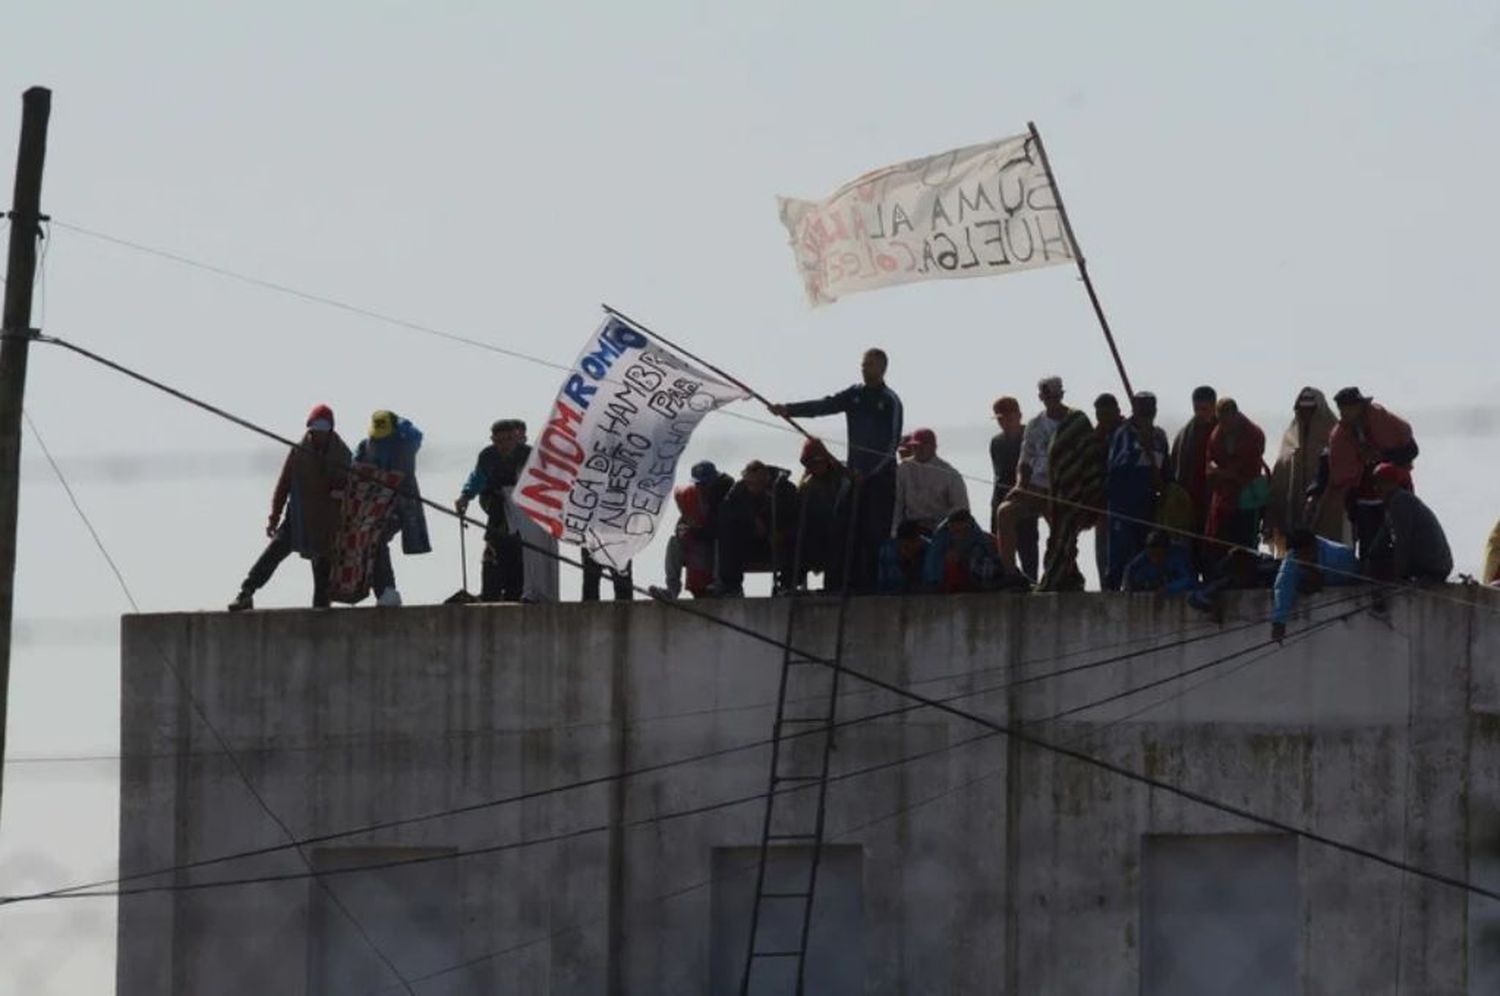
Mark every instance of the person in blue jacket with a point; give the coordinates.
(961, 557)
(1311, 563)
(1163, 566)
(392, 444)
(1138, 467)
(873, 417)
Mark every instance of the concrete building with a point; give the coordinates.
(960, 862)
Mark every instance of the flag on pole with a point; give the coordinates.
(600, 475)
(972, 212)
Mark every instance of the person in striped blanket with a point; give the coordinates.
(1075, 463)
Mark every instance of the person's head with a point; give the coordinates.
(704, 473)
(816, 459)
(1143, 407)
(909, 540)
(1157, 545)
(320, 423)
(1390, 477)
(756, 477)
(1352, 403)
(1007, 413)
(1107, 410)
(507, 434)
(1205, 401)
(1228, 413)
(923, 445)
(1049, 391)
(872, 367)
(382, 424)
(1306, 405)
(960, 524)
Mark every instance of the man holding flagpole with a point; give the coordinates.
(873, 415)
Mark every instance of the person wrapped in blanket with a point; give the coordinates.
(392, 445)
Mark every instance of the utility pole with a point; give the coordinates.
(15, 338)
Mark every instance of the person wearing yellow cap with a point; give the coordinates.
(392, 444)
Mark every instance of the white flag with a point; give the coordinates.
(972, 212)
(600, 475)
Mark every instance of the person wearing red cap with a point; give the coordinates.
(928, 488)
(310, 490)
(1410, 544)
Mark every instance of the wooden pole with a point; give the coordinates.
(1083, 269)
(712, 369)
(15, 338)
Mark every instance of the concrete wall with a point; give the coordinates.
(986, 867)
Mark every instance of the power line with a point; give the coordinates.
(877, 682)
(203, 716)
(1226, 545)
(844, 833)
(570, 834)
(1156, 648)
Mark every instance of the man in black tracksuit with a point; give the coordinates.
(496, 471)
(873, 415)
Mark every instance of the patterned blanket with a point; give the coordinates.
(368, 500)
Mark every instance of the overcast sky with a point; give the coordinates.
(1269, 195)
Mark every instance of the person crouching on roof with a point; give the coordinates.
(310, 489)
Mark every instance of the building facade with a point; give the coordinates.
(630, 741)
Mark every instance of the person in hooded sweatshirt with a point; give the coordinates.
(309, 490)
(1295, 475)
(392, 445)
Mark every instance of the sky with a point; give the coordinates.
(1269, 195)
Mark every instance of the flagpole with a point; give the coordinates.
(702, 362)
(1083, 269)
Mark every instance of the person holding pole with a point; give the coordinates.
(497, 468)
(873, 417)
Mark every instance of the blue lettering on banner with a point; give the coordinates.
(614, 341)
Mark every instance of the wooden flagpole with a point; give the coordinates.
(702, 362)
(1083, 269)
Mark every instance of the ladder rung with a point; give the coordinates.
(804, 661)
(804, 719)
(797, 778)
(785, 895)
(778, 954)
(791, 836)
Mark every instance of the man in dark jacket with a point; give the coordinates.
(873, 417)
(820, 543)
(1410, 544)
(310, 488)
(496, 470)
(757, 524)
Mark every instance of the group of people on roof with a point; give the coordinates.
(1181, 514)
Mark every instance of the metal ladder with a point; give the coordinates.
(796, 800)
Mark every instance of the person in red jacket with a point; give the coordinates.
(1366, 436)
(310, 489)
(1236, 452)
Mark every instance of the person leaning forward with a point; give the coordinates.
(873, 418)
(497, 468)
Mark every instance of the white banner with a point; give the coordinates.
(601, 473)
(972, 212)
